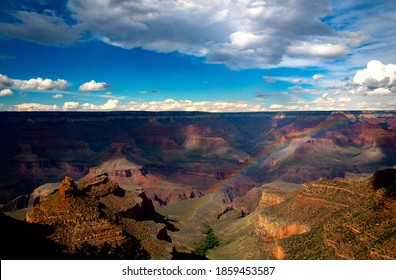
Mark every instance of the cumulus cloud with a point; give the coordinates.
(281, 107)
(324, 101)
(92, 85)
(166, 105)
(377, 74)
(5, 92)
(5, 81)
(34, 107)
(376, 79)
(57, 96)
(317, 77)
(188, 105)
(70, 105)
(240, 34)
(32, 84)
(46, 28)
(111, 104)
(380, 91)
(40, 84)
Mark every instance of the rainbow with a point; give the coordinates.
(261, 156)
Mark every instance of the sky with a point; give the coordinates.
(197, 55)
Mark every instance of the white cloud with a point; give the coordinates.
(324, 101)
(33, 84)
(57, 96)
(240, 33)
(243, 39)
(166, 105)
(376, 73)
(188, 105)
(380, 91)
(283, 107)
(34, 107)
(111, 104)
(40, 84)
(316, 50)
(377, 79)
(70, 105)
(317, 77)
(5, 92)
(372, 106)
(92, 85)
(344, 99)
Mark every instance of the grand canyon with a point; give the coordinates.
(195, 185)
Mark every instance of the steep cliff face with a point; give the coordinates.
(268, 199)
(248, 161)
(98, 211)
(75, 217)
(332, 219)
(44, 147)
(273, 230)
(265, 196)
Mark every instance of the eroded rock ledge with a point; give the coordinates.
(98, 211)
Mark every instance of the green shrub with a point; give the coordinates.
(210, 241)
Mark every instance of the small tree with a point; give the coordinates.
(210, 241)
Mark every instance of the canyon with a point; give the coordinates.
(271, 185)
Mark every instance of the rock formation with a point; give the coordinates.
(44, 147)
(99, 212)
(254, 177)
(332, 219)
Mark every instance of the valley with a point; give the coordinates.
(273, 185)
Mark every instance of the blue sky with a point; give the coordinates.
(217, 56)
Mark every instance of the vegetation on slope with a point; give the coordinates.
(210, 241)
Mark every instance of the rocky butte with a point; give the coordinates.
(292, 185)
(99, 213)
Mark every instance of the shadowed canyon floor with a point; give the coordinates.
(267, 185)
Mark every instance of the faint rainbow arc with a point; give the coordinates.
(215, 188)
